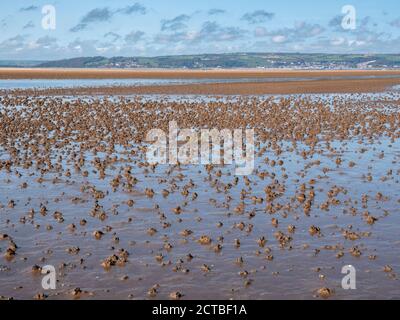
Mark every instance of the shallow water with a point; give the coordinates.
(75, 83)
(291, 274)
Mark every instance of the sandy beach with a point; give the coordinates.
(63, 73)
(238, 88)
(349, 81)
(78, 193)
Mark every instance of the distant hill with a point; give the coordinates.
(20, 63)
(235, 60)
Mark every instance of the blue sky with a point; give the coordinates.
(165, 27)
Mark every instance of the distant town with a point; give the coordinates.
(225, 61)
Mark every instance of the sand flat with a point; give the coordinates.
(65, 73)
(77, 193)
(340, 81)
(238, 88)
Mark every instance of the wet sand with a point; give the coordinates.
(351, 81)
(246, 88)
(76, 192)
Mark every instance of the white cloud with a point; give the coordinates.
(279, 39)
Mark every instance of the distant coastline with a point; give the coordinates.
(313, 61)
(100, 73)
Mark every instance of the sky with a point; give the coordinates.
(29, 30)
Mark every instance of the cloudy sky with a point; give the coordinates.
(165, 27)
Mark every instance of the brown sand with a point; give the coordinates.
(257, 88)
(63, 73)
(241, 88)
